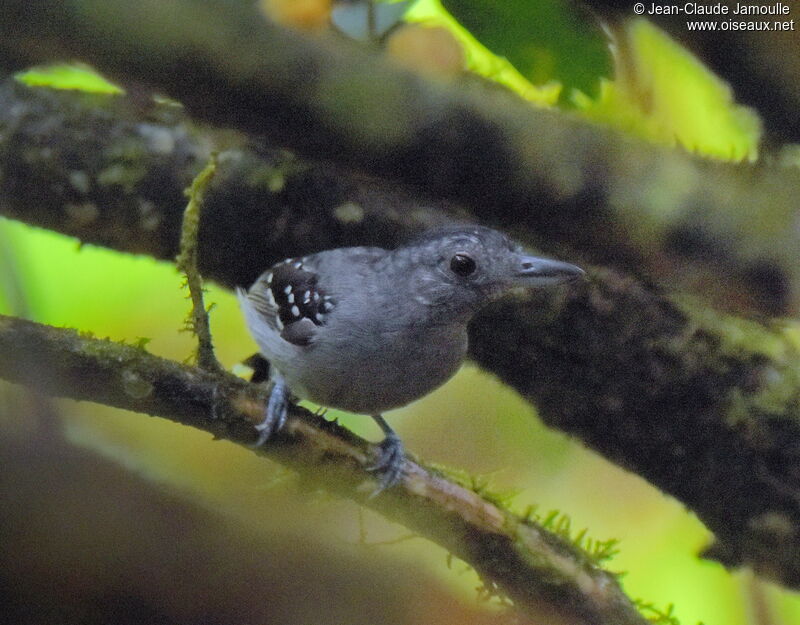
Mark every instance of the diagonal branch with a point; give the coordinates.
(540, 571)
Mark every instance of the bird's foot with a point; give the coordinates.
(276, 413)
(391, 458)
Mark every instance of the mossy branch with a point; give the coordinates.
(541, 572)
(188, 264)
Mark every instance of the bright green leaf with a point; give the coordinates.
(64, 76)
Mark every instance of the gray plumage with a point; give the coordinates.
(367, 330)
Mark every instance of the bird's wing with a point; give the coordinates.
(287, 301)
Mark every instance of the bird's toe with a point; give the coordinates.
(275, 414)
(389, 463)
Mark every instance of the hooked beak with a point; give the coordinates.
(534, 271)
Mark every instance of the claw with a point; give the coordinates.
(390, 460)
(276, 413)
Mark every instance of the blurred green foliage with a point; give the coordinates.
(655, 88)
(546, 40)
(483, 61)
(665, 94)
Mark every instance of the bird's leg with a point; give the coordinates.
(277, 410)
(391, 458)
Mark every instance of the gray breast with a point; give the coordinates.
(369, 374)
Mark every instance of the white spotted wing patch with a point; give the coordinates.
(290, 299)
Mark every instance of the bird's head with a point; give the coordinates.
(463, 268)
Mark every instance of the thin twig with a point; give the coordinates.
(187, 263)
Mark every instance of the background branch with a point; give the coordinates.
(574, 185)
(703, 405)
(541, 572)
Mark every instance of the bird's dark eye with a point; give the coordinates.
(462, 265)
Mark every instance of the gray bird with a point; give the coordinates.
(366, 330)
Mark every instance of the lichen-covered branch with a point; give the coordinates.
(576, 185)
(540, 571)
(702, 405)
